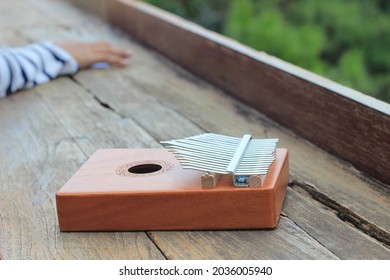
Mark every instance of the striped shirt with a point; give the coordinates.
(31, 65)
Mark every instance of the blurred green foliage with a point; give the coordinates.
(347, 41)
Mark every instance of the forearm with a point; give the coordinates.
(31, 65)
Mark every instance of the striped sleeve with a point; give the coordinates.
(31, 65)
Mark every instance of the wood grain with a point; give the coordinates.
(357, 127)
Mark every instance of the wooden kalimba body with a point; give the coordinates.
(148, 189)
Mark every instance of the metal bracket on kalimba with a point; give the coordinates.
(245, 159)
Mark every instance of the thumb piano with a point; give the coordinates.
(203, 182)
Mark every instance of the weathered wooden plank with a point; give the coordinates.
(280, 243)
(37, 156)
(58, 12)
(340, 238)
(357, 127)
(18, 14)
(92, 125)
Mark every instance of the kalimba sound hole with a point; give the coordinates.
(145, 168)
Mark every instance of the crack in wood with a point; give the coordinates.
(107, 106)
(343, 213)
(152, 239)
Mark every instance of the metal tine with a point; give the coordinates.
(258, 155)
(189, 157)
(206, 143)
(185, 154)
(196, 154)
(269, 149)
(204, 169)
(201, 157)
(217, 139)
(207, 161)
(257, 173)
(262, 145)
(208, 152)
(213, 136)
(202, 152)
(259, 145)
(251, 163)
(216, 159)
(216, 136)
(194, 159)
(257, 158)
(253, 167)
(203, 145)
(205, 165)
(201, 149)
(265, 140)
(214, 139)
(252, 171)
(256, 147)
(263, 150)
(255, 164)
(263, 163)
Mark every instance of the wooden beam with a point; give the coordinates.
(347, 123)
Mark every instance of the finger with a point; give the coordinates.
(106, 47)
(111, 58)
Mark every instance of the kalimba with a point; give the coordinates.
(203, 182)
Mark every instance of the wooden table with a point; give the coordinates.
(331, 210)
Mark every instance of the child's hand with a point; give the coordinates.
(89, 53)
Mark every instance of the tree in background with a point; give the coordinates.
(347, 41)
